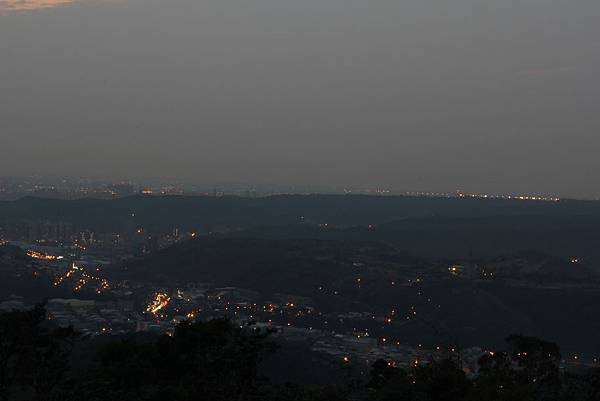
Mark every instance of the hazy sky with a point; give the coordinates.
(482, 95)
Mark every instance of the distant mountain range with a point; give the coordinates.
(428, 227)
(484, 237)
(237, 212)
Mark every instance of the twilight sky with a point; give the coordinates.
(500, 96)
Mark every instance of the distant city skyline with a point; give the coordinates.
(10, 187)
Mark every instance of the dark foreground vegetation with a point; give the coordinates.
(218, 361)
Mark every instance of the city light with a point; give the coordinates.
(42, 256)
(160, 301)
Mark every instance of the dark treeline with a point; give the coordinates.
(218, 361)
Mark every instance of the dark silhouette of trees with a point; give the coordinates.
(528, 371)
(434, 381)
(215, 359)
(218, 361)
(33, 356)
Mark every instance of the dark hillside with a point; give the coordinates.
(229, 212)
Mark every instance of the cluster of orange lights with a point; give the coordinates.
(42, 255)
(160, 301)
(104, 285)
(83, 280)
(80, 284)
